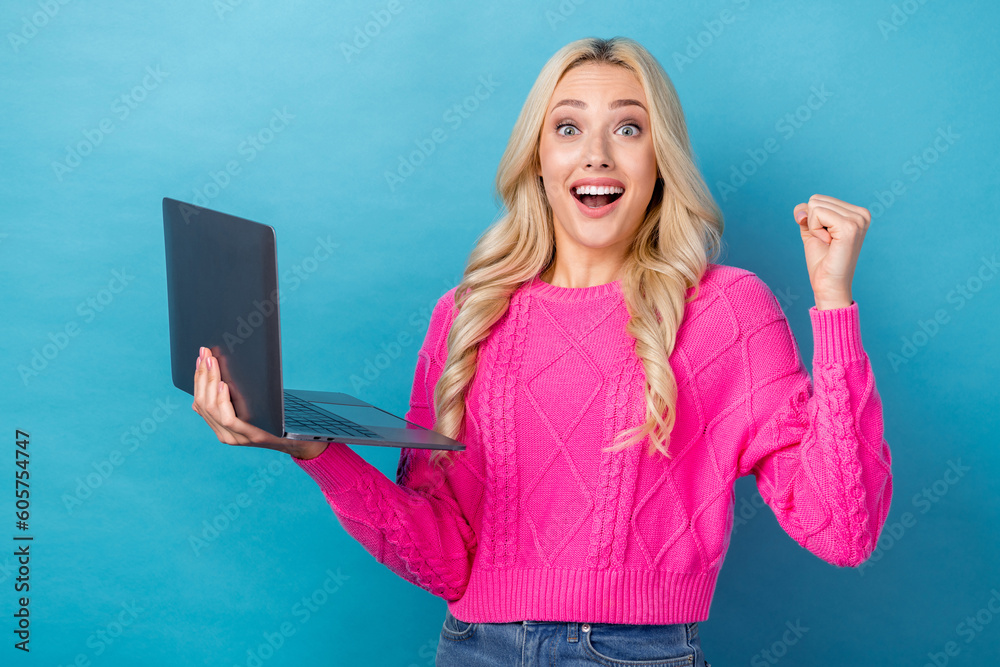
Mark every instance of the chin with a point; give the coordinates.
(599, 241)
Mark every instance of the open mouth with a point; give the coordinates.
(596, 196)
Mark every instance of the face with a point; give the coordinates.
(598, 165)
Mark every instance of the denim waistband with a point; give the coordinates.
(572, 627)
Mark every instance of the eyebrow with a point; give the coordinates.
(616, 104)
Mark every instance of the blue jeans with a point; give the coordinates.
(550, 644)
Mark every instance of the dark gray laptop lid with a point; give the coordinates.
(211, 254)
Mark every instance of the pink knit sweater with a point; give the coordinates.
(535, 522)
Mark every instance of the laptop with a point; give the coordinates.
(222, 293)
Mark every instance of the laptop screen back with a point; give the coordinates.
(222, 282)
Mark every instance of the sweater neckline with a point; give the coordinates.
(540, 288)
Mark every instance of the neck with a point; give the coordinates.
(581, 274)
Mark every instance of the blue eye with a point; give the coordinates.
(560, 126)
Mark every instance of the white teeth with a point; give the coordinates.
(598, 190)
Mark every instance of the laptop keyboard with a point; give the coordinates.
(301, 415)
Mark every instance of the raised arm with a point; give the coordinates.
(817, 453)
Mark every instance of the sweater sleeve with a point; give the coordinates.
(817, 453)
(414, 525)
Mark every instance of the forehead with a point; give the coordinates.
(598, 81)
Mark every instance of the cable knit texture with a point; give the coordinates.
(535, 522)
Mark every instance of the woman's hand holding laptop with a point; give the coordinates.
(212, 402)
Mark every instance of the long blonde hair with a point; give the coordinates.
(680, 235)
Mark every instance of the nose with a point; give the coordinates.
(597, 152)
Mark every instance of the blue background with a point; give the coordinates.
(113, 513)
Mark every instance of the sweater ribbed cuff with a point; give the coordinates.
(836, 335)
(337, 468)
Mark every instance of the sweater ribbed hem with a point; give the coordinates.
(338, 467)
(836, 335)
(593, 596)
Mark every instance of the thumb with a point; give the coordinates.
(818, 231)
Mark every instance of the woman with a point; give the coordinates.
(590, 320)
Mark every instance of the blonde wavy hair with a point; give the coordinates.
(680, 234)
